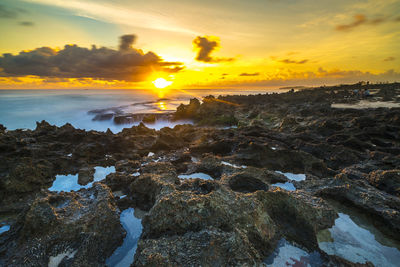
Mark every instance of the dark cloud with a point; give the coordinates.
(244, 74)
(126, 42)
(127, 63)
(389, 59)
(206, 45)
(26, 23)
(291, 61)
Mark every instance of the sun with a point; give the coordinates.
(161, 83)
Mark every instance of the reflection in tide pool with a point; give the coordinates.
(199, 175)
(356, 244)
(124, 255)
(68, 183)
(287, 254)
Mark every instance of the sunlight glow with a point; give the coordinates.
(161, 83)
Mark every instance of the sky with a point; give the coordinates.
(197, 44)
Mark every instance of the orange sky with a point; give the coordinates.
(197, 44)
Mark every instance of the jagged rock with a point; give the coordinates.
(27, 176)
(84, 227)
(150, 118)
(208, 247)
(388, 181)
(157, 180)
(85, 175)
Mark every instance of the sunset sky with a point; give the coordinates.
(197, 44)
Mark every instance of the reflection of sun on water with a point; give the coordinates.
(161, 84)
(161, 106)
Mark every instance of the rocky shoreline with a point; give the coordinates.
(248, 146)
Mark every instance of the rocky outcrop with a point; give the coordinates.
(234, 219)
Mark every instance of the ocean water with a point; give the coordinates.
(21, 109)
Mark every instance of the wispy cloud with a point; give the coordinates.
(289, 60)
(361, 19)
(321, 76)
(245, 74)
(389, 59)
(118, 14)
(26, 23)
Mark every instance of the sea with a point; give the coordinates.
(21, 109)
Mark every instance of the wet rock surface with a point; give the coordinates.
(237, 217)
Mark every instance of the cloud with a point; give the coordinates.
(126, 42)
(206, 45)
(361, 19)
(318, 77)
(290, 61)
(127, 63)
(244, 74)
(389, 59)
(26, 23)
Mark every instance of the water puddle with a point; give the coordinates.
(68, 183)
(233, 165)
(54, 261)
(194, 159)
(355, 239)
(227, 127)
(292, 176)
(363, 104)
(199, 175)
(4, 228)
(124, 255)
(287, 186)
(287, 254)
